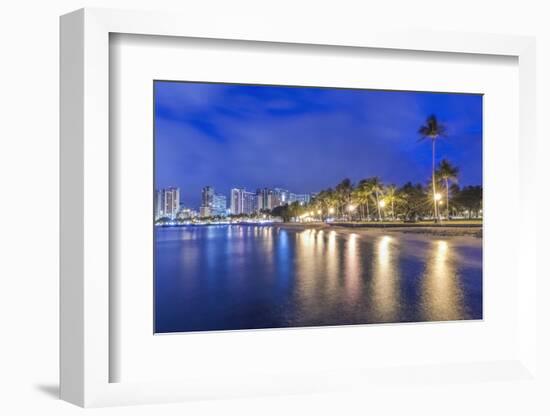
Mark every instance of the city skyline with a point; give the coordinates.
(168, 203)
(305, 138)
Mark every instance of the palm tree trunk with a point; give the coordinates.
(436, 214)
(378, 206)
(392, 211)
(368, 213)
(447, 186)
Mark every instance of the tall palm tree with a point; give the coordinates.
(357, 198)
(447, 172)
(343, 191)
(331, 200)
(364, 191)
(432, 130)
(376, 188)
(392, 197)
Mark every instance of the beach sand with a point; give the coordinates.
(440, 231)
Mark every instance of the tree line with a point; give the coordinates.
(371, 200)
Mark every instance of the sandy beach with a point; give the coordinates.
(440, 230)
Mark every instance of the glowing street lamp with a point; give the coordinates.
(351, 208)
(382, 204)
(331, 210)
(437, 196)
(319, 212)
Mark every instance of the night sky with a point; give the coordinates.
(305, 139)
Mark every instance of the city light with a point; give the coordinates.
(437, 196)
(382, 204)
(319, 212)
(351, 207)
(331, 210)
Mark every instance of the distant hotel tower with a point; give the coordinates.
(302, 199)
(242, 201)
(282, 196)
(212, 204)
(270, 198)
(167, 203)
(265, 199)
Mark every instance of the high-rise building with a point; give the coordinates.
(212, 204)
(205, 211)
(219, 205)
(242, 201)
(264, 198)
(167, 202)
(207, 201)
(301, 198)
(280, 197)
(236, 203)
(249, 202)
(158, 204)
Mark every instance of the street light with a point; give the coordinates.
(437, 198)
(351, 208)
(331, 210)
(382, 204)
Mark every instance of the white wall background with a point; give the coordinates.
(29, 201)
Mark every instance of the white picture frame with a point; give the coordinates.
(85, 221)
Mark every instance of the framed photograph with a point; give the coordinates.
(289, 206)
(280, 212)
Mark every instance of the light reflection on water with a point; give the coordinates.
(441, 291)
(242, 277)
(385, 280)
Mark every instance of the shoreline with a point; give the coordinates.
(439, 230)
(444, 230)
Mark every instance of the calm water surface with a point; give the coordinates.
(243, 277)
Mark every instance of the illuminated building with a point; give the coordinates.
(212, 204)
(167, 203)
(242, 201)
(264, 198)
(219, 205)
(281, 197)
(303, 199)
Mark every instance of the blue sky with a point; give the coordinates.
(305, 139)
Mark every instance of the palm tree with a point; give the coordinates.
(432, 130)
(447, 172)
(356, 198)
(363, 193)
(392, 197)
(376, 188)
(343, 191)
(330, 200)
